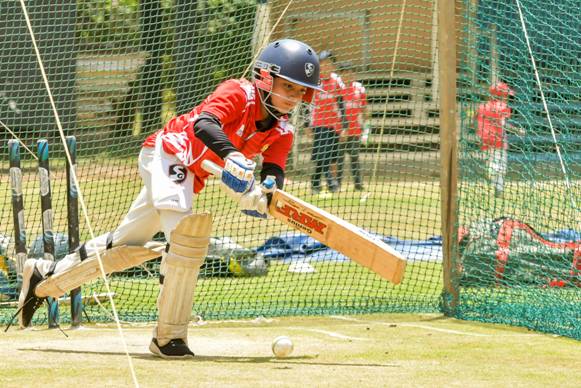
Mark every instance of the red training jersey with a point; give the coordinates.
(491, 117)
(355, 103)
(326, 112)
(237, 105)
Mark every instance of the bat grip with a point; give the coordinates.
(212, 168)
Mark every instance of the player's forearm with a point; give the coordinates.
(208, 129)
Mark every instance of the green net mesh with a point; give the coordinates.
(119, 70)
(507, 274)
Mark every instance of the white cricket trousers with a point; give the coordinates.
(497, 166)
(145, 217)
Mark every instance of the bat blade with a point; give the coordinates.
(340, 235)
(334, 232)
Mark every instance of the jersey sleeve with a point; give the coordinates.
(278, 151)
(227, 102)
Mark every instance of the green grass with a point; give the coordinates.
(110, 186)
(333, 288)
(405, 209)
(396, 350)
(546, 205)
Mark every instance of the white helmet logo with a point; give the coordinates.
(309, 69)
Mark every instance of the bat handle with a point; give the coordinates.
(212, 168)
(268, 186)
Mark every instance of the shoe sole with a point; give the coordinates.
(155, 350)
(26, 275)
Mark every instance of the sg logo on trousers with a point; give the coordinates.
(178, 173)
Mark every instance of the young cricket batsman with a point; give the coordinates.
(238, 121)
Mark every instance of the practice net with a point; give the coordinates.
(519, 257)
(119, 70)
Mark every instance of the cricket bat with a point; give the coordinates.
(333, 231)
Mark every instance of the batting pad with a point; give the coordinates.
(114, 260)
(187, 250)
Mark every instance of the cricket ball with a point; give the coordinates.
(282, 346)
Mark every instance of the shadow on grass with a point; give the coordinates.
(435, 319)
(303, 360)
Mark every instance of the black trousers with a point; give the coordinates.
(325, 152)
(350, 146)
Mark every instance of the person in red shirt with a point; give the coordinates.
(240, 120)
(491, 123)
(327, 122)
(355, 100)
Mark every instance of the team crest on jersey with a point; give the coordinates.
(265, 147)
(309, 69)
(177, 173)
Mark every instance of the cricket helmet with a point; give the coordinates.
(292, 60)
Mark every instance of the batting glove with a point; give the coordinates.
(255, 202)
(238, 174)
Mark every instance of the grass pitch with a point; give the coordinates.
(398, 350)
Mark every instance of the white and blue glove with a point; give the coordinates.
(238, 174)
(255, 202)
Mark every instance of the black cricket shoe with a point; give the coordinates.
(174, 349)
(28, 302)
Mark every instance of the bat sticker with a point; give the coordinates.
(301, 220)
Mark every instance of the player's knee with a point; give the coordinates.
(169, 220)
(191, 237)
(186, 256)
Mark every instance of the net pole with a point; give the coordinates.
(448, 145)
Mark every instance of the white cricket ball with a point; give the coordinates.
(282, 346)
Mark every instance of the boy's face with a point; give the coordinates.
(286, 95)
